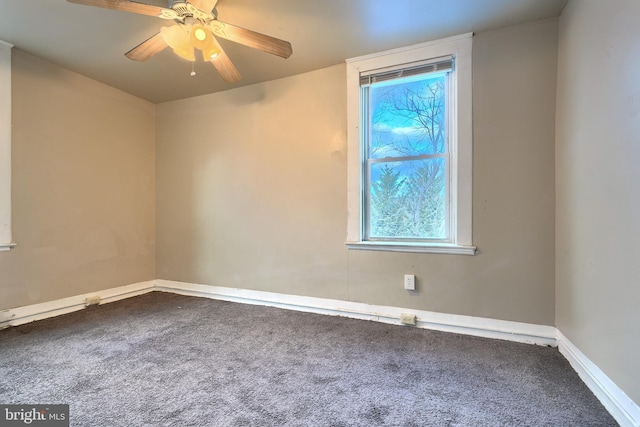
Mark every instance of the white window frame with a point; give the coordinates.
(460, 145)
(6, 241)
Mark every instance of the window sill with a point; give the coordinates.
(431, 248)
(6, 246)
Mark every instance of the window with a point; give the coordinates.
(5, 146)
(409, 156)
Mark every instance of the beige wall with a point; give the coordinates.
(251, 191)
(83, 186)
(598, 197)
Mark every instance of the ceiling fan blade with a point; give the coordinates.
(225, 67)
(252, 39)
(204, 5)
(124, 5)
(145, 50)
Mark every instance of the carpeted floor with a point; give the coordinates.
(169, 360)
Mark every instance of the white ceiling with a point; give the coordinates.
(92, 41)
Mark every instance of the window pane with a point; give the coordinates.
(407, 118)
(408, 199)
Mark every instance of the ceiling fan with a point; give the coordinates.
(196, 27)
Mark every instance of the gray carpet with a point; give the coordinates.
(169, 360)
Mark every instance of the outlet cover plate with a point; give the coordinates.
(92, 300)
(410, 282)
(408, 319)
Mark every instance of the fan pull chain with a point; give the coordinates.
(193, 69)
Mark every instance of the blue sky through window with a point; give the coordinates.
(408, 117)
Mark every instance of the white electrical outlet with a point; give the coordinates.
(92, 300)
(408, 319)
(410, 282)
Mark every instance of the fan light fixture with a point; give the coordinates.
(184, 38)
(177, 37)
(203, 40)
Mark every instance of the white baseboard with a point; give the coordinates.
(620, 406)
(30, 313)
(477, 326)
